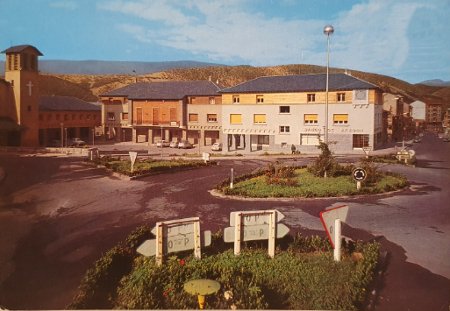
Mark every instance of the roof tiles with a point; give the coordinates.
(300, 83)
(65, 103)
(165, 90)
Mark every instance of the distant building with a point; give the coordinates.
(274, 112)
(31, 120)
(399, 120)
(427, 114)
(67, 117)
(171, 110)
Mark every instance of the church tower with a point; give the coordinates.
(22, 73)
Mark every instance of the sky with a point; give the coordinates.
(405, 39)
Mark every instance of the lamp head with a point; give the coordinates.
(328, 30)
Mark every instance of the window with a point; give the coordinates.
(73, 116)
(235, 119)
(360, 140)
(311, 118)
(310, 139)
(285, 129)
(285, 109)
(341, 97)
(41, 117)
(340, 118)
(236, 99)
(212, 100)
(259, 118)
(173, 114)
(29, 108)
(111, 116)
(311, 98)
(57, 116)
(263, 140)
(49, 117)
(124, 115)
(66, 117)
(88, 116)
(193, 117)
(211, 117)
(259, 99)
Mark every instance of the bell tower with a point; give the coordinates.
(22, 73)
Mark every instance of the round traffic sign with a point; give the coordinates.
(359, 174)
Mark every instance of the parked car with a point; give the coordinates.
(184, 144)
(216, 147)
(173, 144)
(162, 143)
(76, 142)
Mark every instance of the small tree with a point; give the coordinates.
(325, 165)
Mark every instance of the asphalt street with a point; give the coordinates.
(58, 215)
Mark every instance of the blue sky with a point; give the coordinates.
(406, 39)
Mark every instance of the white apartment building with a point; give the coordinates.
(275, 112)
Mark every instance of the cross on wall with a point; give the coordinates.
(29, 85)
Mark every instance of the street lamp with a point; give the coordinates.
(327, 30)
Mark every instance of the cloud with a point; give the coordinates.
(371, 36)
(67, 5)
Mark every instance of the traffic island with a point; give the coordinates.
(301, 275)
(126, 169)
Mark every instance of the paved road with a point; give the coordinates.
(57, 216)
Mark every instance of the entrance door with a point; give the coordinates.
(155, 116)
(138, 115)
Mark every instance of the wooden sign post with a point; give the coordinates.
(175, 236)
(255, 225)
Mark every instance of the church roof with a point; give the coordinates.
(21, 48)
(65, 103)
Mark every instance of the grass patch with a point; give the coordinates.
(308, 185)
(303, 275)
(147, 166)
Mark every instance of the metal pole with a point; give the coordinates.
(328, 30)
(62, 134)
(231, 178)
(337, 240)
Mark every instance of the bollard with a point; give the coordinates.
(337, 240)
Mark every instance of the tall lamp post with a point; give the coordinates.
(327, 30)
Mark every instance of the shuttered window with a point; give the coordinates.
(340, 118)
(193, 117)
(235, 119)
(259, 118)
(311, 118)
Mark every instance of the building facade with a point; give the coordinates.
(276, 112)
(399, 121)
(172, 111)
(62, 118)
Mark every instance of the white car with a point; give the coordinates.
(173, 144)
(162, 144)
(216, 147)
(184, 144)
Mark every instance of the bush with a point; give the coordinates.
(280, 175)
(325, 165)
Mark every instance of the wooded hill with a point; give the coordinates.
(89, 87)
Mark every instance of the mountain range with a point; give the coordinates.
(89, 79)
(98, 67)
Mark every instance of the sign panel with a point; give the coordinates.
(255, 232)
(250, 218)
(133, 156)
(329, 216)
(359, 174)
(174, 243)
(176, 229)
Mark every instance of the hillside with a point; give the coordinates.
(97, 67)
(89, 87)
